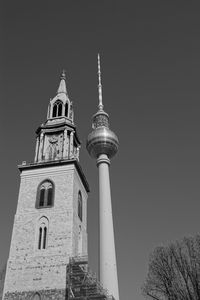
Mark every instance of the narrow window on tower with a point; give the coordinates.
(40, 238)
(45, 194)
(43, 233)
(80, 204)
(42, 194)
(57, 109)
(45, 238)
(66, 110)
(50, 195)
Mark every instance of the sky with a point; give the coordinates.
(150, 61)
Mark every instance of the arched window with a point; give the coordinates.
(57, 109)
(36, 296)
(80, 204)
(54, 111)
(45, 194)
(66, 110)
(42, 233)
(42, 194)
(45, 238)
(40, 238)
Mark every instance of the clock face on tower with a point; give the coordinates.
(53, 146)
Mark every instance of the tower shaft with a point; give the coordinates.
(107, 255)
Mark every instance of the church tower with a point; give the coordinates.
(50, 224)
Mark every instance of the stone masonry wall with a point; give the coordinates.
(78, 186)
(53, 294)
(30, 269)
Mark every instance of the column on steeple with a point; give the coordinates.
(71, 145)
(66, 142)
(36, 148)
(41, 142)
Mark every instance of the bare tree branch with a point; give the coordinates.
(174, 271)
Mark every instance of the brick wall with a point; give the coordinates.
(53, 294)
(31, 269)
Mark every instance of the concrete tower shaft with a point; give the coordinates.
(102, 144)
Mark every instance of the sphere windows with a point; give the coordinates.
(45, 194)
(57, 109)
(80, 206)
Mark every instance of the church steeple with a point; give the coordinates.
(50, 225)
(57, 138)
(61, 106)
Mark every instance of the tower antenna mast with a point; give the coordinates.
(100, 85)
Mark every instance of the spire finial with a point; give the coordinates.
(99, 85)
(63, 75)
(62, 86)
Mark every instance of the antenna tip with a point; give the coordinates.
(98, 58)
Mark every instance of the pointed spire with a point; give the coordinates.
(100, 106)
(62, 86)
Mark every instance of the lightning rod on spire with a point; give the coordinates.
(63, 75)
(99, 85)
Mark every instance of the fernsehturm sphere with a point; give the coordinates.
(102, 144)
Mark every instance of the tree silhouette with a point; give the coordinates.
(174, 271)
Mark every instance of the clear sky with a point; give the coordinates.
(150, 53)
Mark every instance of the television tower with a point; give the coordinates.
(102, 144)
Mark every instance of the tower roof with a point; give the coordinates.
(62, 86)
